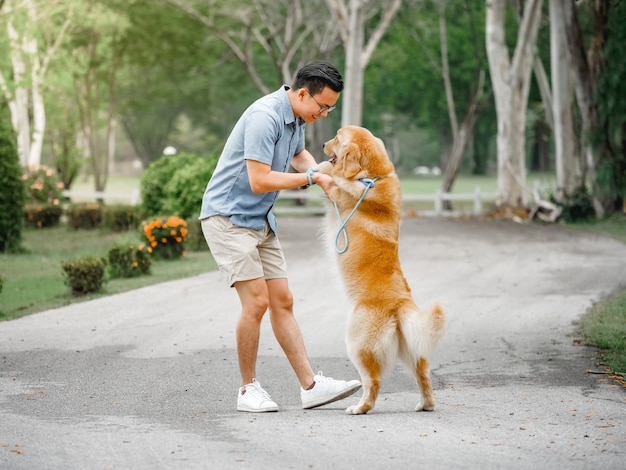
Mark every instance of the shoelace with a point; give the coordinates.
(259, 390)
(322, 378)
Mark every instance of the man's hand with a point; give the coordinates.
(325, 182)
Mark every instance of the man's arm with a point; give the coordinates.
(264, 180)
(303, 161)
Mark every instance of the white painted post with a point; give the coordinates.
(478, 206)
(439, 202)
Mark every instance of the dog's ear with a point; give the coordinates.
(351, 160)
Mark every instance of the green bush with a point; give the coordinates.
(42, 185)
(185, 188)
(85, 274)
(155, 178)
(1, 284)
(577, 205)
(129, 258)
(166, 236)
(12, 194)
(195, 238)
(84, 215)
(42, 215)
(120, 217)
(174, 184)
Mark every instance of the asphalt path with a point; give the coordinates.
(148, 379)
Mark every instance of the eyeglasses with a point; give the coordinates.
(323, 107)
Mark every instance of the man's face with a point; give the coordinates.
(313, 107)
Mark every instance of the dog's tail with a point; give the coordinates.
(423, 331)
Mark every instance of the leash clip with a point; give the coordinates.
(368, 182)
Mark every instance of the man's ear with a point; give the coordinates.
(351, 160)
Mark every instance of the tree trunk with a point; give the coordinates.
(511, 83)
(566, 150)
(39, 116)
(352, 103)
(21, 107)
(351, 19)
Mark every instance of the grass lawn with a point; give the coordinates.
(34, 282)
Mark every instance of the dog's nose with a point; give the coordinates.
(324, 145)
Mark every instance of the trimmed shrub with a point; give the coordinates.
(42, 215)
(12, 194)
(185, 188)
(85, 274)
(166, 236)
(120, 218)
(129, 258)
(43, 186)
(155, 178)
(84, 215)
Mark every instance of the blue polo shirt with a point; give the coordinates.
(266, 132)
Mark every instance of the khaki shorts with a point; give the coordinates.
(242, 253)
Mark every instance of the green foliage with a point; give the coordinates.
(33, 281)
(84, 215)
(174, 184)
(12, 196)
(165, 236)
(84, 274)
(186, 187)
(577, 205)
(42, 185)
(604, 326)
(129, 258)
(610, 136)
(42, 215)
(156, 177)
(120, 217)
(195, 237)
(1, 283)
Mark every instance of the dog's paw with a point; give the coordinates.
(425, 407)
(355, 410)
(324, 167)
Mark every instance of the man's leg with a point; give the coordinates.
(254, 299)
(287, 331)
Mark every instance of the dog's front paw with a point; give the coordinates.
(324, 167)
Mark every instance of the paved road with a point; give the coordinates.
(147, 379)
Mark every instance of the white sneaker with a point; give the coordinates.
(327, 390)
(255, 400)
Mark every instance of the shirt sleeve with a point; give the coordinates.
(261, 134)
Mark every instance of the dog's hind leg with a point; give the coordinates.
(369, 368)
(422, 374)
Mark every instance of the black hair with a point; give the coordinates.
(317, 75)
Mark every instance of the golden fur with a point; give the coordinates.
(385, 323)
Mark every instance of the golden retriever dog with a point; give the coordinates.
(385, 323)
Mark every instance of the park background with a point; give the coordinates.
(99, 91)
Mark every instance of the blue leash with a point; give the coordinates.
(369, 183)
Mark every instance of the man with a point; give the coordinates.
(240, 228)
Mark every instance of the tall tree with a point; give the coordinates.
(510, 77)
(460, 135)
(97, 53)
(35, 30)
(281, 34)
(568, 175)
(610, 135)
(352, 16)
